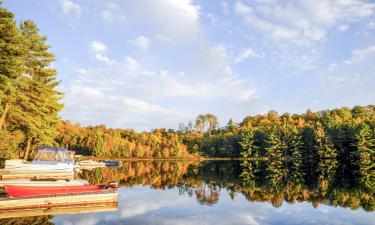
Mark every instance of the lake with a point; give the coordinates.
(224, 192)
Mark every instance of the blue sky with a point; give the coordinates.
(154, 63)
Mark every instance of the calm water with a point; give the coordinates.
(223, 192)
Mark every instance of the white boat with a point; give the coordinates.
(51, 159)
(45, 182)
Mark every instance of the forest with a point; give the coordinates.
(30, 104)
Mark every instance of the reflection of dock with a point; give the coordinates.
(101, 196)
(95, 207)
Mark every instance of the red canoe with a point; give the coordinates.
(27, 191)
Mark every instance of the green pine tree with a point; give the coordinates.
(365, 142)
(327, 158)
(40, 104)
(12, 55)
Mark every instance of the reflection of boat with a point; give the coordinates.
(89, 164)
(111, 163)
(30, 197)
(51, 159)
(88, 208)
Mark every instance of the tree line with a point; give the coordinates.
(101, 141)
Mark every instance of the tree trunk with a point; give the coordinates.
(2, 119)
(27, 148)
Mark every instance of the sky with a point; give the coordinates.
(155, 63)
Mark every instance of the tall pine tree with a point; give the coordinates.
(40, 104)
(12, 55)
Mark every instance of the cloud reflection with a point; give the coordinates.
(144, 205)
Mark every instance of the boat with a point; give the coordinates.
(51, 159)
(31, 197)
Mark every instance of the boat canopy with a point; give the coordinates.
(52, 155)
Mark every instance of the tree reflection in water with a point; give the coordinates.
(254, 179)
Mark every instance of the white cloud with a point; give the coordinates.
(143, 97)
(131, 64)
(343, 27)
(98, 47)
(112, 13)
(68, 6)
(241, 8)
(361, 54)
(371, 25)
(247, 53)
(302, 21)
(142, 42)
(103, 58)
(351, 81)
(175, 19)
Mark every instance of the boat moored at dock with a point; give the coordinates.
(51, 159)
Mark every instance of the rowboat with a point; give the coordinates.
(51, 159)
(31, 197)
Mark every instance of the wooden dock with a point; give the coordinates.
(59, 200)
(88, 208)
(14, 175)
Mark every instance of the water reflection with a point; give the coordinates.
(227, 192)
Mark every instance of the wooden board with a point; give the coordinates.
(51, 201)
(37, 175)
(101, 207)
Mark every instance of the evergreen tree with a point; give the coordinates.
(276, 169)
(12, 55)
(326, 153)
(295, 144)
(365, 142)
(40, 106)
(247, 144)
